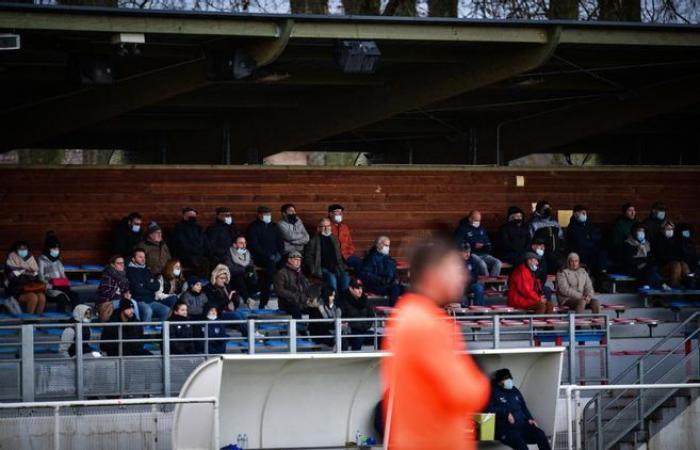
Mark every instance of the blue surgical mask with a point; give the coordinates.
(136, 228)
(508, 384)
(582, 217)
(661, 215)
(23, 253)
(534, 267)
(228, 220)
(241, 251)
(177, 272)
(686, 233)
(54, 252)
(267, 218)
(641, 236)
(540, 252)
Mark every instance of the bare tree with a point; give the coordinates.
(309, 6)
(361, 7)
(563, 9)
(400, 8)
(442, 8)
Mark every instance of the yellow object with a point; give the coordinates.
(519, 180)
(485, 427)
(564, 217)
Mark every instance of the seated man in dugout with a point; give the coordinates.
(575, 288)
(525, 289)
(471, 231)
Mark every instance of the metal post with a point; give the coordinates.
(251, 336)
(496, 331)
(569, 418)
(338, 335)
(599, 423)
(215, 444)
(56, 428)
(640, 397)
(27, 363)
(79, 360)
(572, 348)
(577, 421)
(292, 335)
(166, 359)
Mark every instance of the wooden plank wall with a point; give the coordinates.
(82, 204)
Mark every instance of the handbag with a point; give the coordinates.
(60, 282)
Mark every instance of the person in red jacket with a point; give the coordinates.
(525, 289)
(341, 231)
(432, 388)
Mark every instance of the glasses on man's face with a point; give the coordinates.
(118, 263)
(325, 227)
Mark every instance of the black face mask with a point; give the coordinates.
(292, 218)
(546, 212)
(518, 222)
(192, 219)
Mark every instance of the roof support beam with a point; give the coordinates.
(549, 130)
(346, 111)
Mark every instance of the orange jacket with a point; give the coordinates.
(431, 387)
(342, 232)
(524, 288)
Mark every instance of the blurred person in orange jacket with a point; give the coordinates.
(432, 388)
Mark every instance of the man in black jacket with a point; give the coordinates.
(354, 305)
(143, 288)
(221, 235)
(127, 235)
(266, 246)
(190, 244)
(125, 315)
(515, 426)
(515, 236)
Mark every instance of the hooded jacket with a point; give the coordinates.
(524, 289)
(67, 346)
(341, 231)
(508, 401)
(313, 259)
(195, 302)
(515, 237)
(294, 235)
(221, 237)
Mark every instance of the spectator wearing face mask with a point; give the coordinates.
(127, 234)
(215, 331)
(323, 258)
(266, 247)
(584, 239)
(637, 258)
(341, 231)
(53, 274)
(129, 332)
(690, 253)
(515, 425)
(379, 273)
(622, 228)
(525, 289)
(157, 251)
(172, 283)
(474, 286)
(180, 331)
(195, 297)
(190, 244)
(82, 314)
(575, 288)
(656, 219)
(244, 280)
(515, 236)
(22, 275)
(143, 287)
(292, 229)
(544, 225)
(292, 287)
(221, 235)
(355, 305)
(471, 231)
(668, 253)
(537, 247)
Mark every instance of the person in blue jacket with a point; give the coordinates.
(515, 426)
(470, 231)
(379, 273)
(266, 247)
(474, 286)
(585, 239)
(215, 331)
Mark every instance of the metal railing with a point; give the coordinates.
(33, 369)
(609, 416)
(58, 419)
(575, 420)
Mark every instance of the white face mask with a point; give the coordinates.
(582, 217)
(86, 320)
(476, 224)
(228, 220)
(267, 218)
(211, 316)
(326, 233)
(384, 250)
(668, 233)
(534, 267)
(136, 228)
(177, 272)
(338, 218)
(641, 236)
(686, 233)
(54, 252)
(539, 252)
(241, 251)
(661, 215)
(508, 384)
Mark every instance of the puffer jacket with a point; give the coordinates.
(378, 269)
(294, 235)
(341, 231)
(292, 288)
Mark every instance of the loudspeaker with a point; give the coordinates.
(357, 56)
(232, 65)
(91, 69)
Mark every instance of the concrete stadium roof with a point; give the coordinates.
(438, 79)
